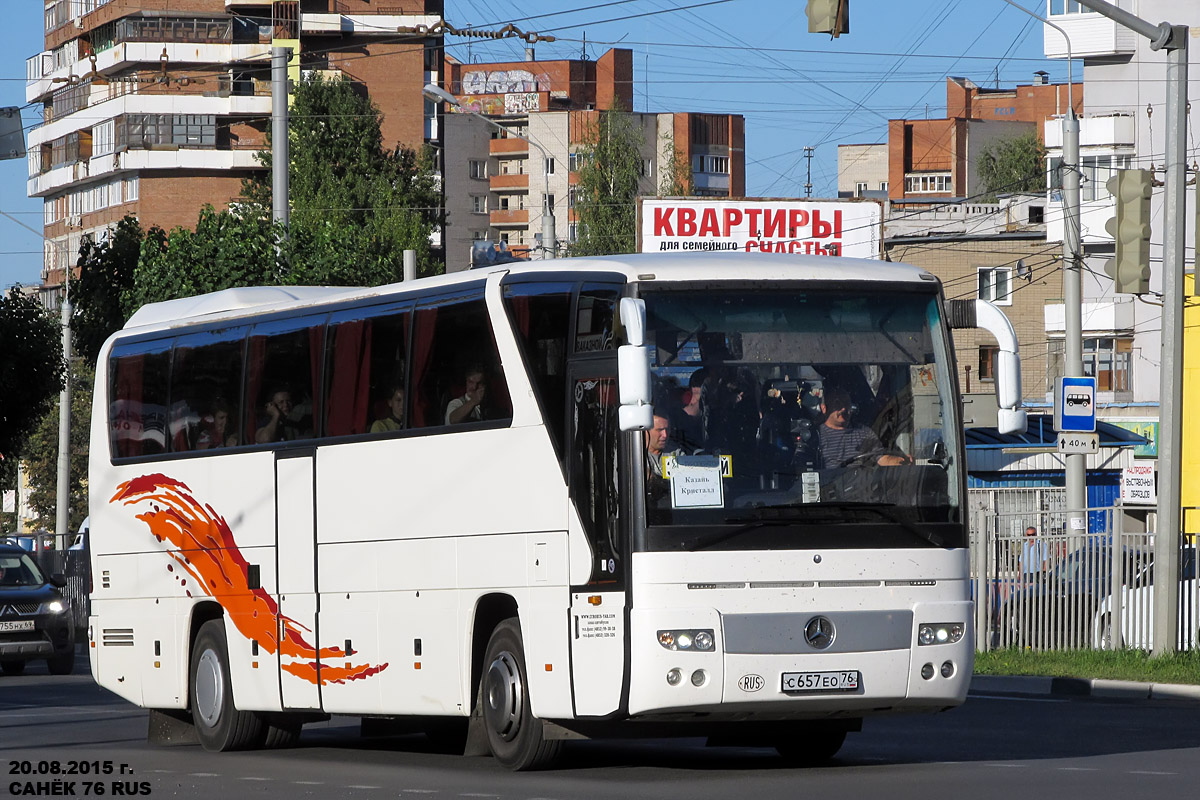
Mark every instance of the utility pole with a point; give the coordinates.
(280, 157)
(1072, 255)
(808, 154)
(62, 498)
(1173, 39)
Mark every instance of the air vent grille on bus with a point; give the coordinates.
(117, 637)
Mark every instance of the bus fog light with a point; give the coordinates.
(674, 677)
(927, 672)
(703, 640)
(947, 669)
(940, 633)
(699, 677)
(684, 640)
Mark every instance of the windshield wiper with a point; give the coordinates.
(751, 524)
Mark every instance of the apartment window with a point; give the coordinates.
(572, 194)
(478, 168)
(860, 188)
(1037, 215)
(575, 161)
(479, 203)
(1060, 7)
(549, 203)
(512, 167)
(987, 362)
(995, 285)
(512, 202)
(932, 183)
(549, 162)
(713, 165)
(1110, 361)
(883, 186)
(573, 232)
(647, 170)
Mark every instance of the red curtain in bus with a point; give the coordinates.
(424, 410)
(350, 379)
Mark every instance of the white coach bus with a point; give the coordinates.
(523, 504)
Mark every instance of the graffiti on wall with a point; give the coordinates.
(502, 81)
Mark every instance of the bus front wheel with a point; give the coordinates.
(219, 725)
(515, 737)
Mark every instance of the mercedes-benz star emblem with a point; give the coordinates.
(819, 633)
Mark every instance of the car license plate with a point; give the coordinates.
(840, 681)
(17, 625)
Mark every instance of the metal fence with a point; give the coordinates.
(75, 566)
(1041, 583)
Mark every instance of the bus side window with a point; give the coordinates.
(366, 372)
(283, 360)
(450, 340)
(137, 413)
(206, 390)
(541, 316)
(595, 326)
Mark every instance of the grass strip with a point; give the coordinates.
(1121, 665)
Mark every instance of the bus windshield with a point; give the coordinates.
(793, 417)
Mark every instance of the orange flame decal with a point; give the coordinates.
(209, 559)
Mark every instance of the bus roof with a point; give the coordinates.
(659, 267)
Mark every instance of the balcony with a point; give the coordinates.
(1101, 316)
(509, 218)
(1110, 130)
(503, 183)
(509, 146)
(139, 160)
(1091, 35)
(382, 23)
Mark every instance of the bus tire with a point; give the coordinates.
(219, 725)
(12, 667)
(811, 748)
(515, 737)
(62, 664)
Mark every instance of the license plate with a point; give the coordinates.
(841, 681)
(17, 625)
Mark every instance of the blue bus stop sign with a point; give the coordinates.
(1075, 405)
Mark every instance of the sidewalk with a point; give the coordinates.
(1027, 685)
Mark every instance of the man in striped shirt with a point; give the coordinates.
(841, 442)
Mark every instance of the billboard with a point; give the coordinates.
(852, 228)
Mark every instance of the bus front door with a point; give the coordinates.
(296, 558)
(598, 607)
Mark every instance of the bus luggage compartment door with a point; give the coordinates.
(296, 555)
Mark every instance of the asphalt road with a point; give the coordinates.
(994, 746)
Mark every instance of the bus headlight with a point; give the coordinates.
(940, 633)
(689, 639)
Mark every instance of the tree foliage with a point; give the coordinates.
(31, 370)
(606, 196)
(41, 456)
(1012, 165)
(106, 272)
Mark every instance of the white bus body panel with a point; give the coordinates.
(876, 597)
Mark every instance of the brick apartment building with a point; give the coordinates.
(496, 187)
(156, 107)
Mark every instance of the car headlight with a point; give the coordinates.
(940, 633)
(688, 639)
(55, 606)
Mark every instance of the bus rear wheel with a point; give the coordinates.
(515, 737)
(219, 725)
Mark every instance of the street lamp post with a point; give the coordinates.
(549, 241)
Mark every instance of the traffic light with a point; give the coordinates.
(1130, 229)
(829, 16)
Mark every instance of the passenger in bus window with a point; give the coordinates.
(275, 424)
(216, 432)
(842, 443)
(658, 441)
(394, 421)
(469, 407)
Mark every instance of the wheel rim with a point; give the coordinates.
(210, 688)
(503, 697)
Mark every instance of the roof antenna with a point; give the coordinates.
(583, 56)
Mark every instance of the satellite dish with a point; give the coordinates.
(1023, 270)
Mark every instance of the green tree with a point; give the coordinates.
(1012, 165)
(106, 271)
(41, 455)
(31, 369)
(355, 206)
(609, 177)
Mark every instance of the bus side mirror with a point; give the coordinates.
(633, 369)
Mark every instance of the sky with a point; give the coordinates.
(749, 57)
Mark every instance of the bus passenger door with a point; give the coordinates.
(296, 559)
(598, 607)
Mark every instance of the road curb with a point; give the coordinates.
(1039, 686)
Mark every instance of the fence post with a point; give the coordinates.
(1115, 610)
(982, 584)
